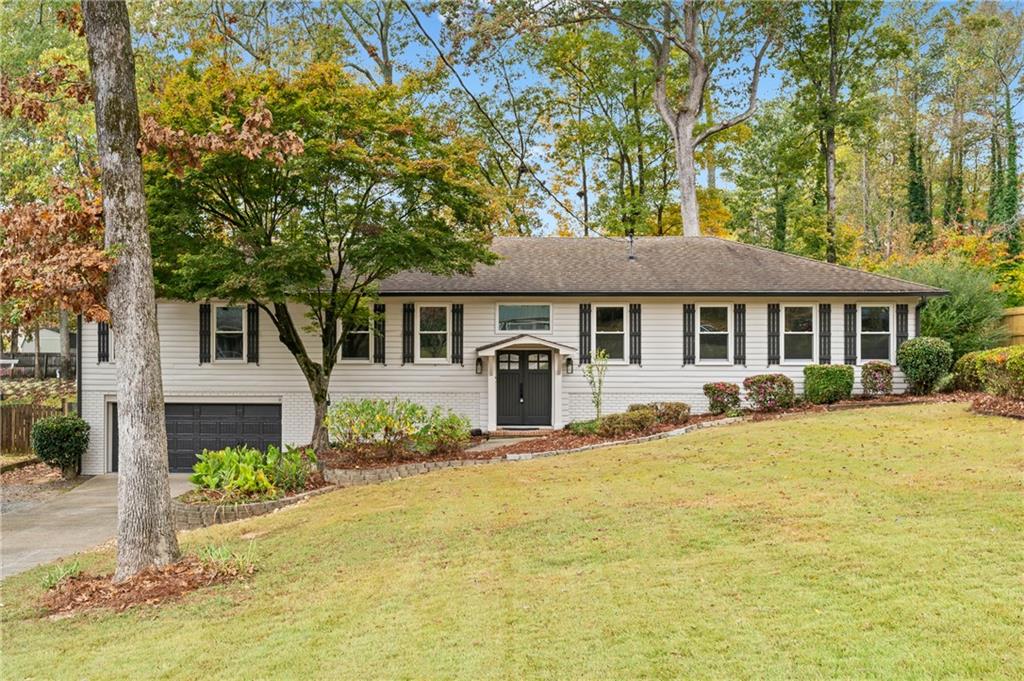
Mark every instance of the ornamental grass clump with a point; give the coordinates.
(924, 360)
(723, 398)
(828, 383)
(876, 378)
(769, 392)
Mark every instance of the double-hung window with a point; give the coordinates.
(524, 317)
(229, 333)
(875, 332)
(713, 333)
(798, 333)
(610, 330)
(432, 333)
(356, 344)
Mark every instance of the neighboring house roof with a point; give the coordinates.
(662, 266)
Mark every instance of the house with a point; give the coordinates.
(504, 346)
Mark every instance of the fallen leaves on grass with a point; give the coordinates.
(152, 586)
(998, 406)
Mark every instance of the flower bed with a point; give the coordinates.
(190, 510)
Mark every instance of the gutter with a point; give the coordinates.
(665, 294)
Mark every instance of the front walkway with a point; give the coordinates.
(74, 521)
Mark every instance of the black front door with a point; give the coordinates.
(524, 388)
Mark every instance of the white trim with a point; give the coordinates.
(625, 330)
(213, 334)
(730, 310)
(504, 332)
(813, 333)
(448, 335)
(524, 341)
(357, 360)
(892, 333)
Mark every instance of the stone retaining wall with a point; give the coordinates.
(190, 516)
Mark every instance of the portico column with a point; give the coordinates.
(492, 393)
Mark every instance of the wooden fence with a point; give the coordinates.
(16, 425)
(1014, 319)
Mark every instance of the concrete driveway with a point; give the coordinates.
(79, 519)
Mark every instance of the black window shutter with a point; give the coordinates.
(634, 333)
(252, 332)
(850, 333)
(408, 321)
(584, 333)
(378, 333)
(773, 333)
(902, 325)
(102, 342)
(457, 333)
(739, 334)
(204, 333)
(689, 330)
(824, 333)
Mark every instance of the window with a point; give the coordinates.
(432, 339)
(610, 331)
(524, 317)
(875, 332)
(798, 333)
(538, 361)
(713, 327)
(356, 344)
(508, 361)
(229, 333)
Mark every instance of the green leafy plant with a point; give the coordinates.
(635, 421)
(223, 555)
(827, 383)
(60, 441)
(386, 426)
(924, 360)
(247, 472)
(999, 371)
(582, 427)
(723, 398)
(967, 371)
(58, 573)
(768, 392)
(595, 371)
(443, 432)
(876, 378)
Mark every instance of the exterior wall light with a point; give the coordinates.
(568, 365)
(479, 365)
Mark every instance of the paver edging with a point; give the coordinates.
(191, 516)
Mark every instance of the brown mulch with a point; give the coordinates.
(152, 586)
(347, 458)
(216, 496)
(994, 405)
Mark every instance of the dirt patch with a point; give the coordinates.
(28, 486)
(994, 405)
(152, 586)
(217, 496)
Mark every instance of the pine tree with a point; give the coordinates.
(1009, 198)
(917, 198)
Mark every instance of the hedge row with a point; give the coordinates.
(999, 371)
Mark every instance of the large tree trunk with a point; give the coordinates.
(318, 388)
(829, 152)
(65, 346)
(686, 176)
(37, 364)
(145, 531)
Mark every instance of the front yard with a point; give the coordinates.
(867, 543)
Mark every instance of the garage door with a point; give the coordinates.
(191, 428)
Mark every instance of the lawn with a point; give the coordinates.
(874, 543)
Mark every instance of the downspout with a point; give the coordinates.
(917, 316)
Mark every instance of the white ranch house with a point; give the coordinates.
(504, 346)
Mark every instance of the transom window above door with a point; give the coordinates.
(875, 332)
(524, 317)
(798, 333)
(432, 339)
(229, 333)
(610, 330)
(713, 330)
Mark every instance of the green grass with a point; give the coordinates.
(882, 543)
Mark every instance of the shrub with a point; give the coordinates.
(946, 384)
(768, 392)
(390, 426)
(970, 317)
(245, 472)
(924, 360)
(673, 413)
(60, 441)
(635, 421)
(828, 383)
(999, 371)
(876, 378)
(723, 398)
(967, 371)
(582, 427)
(443, 432)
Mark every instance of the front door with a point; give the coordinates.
(524, 388)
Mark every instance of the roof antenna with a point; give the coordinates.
(629, 235)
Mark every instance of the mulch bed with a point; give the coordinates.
(994, 405)
(346, 458)
(152, 586)
(216, 496)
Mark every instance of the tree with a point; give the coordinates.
(308, 189)
(917, 197)
(145, 529)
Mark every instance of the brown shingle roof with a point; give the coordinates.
(663, 266)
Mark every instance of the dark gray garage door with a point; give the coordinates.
(191, 428)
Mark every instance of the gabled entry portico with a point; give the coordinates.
(524, 382)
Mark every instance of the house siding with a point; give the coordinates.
(276, 377)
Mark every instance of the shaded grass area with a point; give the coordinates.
(868, 543)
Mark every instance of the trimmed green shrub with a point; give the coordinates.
(60, 442)
(768, 392)
(924, 360)
(999, 371)
(876, 378)
(967, 371)
(723, 398)
(635, 421)
(828, 383)
(443, 432)
(247, 472)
